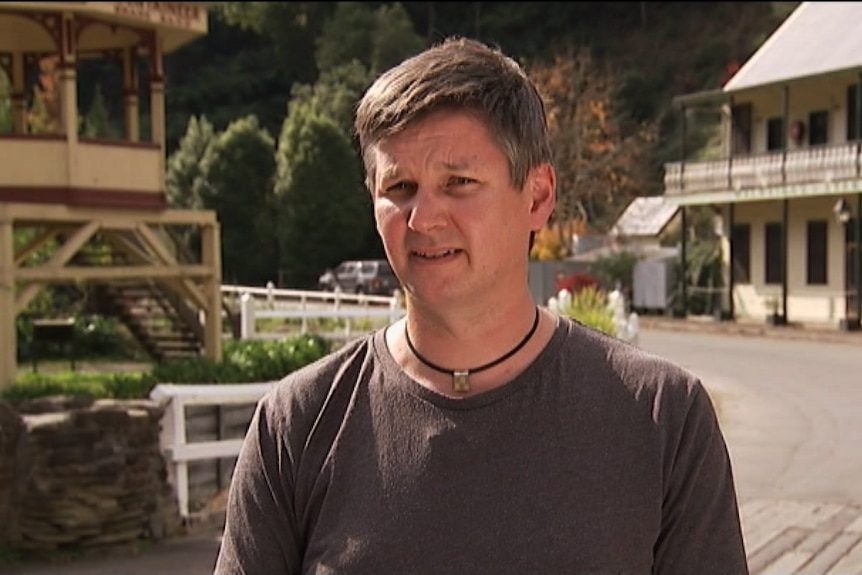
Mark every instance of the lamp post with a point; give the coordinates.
(841, 209)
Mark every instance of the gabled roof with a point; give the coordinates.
(817, 38)
(645, 217)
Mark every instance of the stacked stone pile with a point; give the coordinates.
(86, 473)
(11, 427)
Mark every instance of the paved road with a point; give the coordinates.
(790, 411)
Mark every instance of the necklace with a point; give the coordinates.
(461, 377)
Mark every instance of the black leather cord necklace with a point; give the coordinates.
(461, 377)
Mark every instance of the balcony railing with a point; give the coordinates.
(805, 166)
(113, 164)
(41, 162)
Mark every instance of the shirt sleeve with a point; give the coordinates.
(261, 533)
(700, 530)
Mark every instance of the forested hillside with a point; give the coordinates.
(279, 79)
(655, 49)
(658, 49)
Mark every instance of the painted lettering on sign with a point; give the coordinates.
(181, 14)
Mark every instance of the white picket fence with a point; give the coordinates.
(301, 312)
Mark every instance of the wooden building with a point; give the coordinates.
(99, 203)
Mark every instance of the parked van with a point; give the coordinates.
(361, 276)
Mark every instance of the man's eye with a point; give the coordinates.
(398, 188)
(459, 181)
(460, 184)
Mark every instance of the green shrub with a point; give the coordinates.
(98, 336)
(196, 370)
(590, 307)
(80, 384)
(244, 361)
(94, 336)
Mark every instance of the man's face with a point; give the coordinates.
(454, 228)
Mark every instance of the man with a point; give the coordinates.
(481, 433)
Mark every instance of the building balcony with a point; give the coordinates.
(100, 173)
(821, 170)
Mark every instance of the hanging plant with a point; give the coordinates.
(797, 131)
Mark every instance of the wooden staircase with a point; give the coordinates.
(164, 325)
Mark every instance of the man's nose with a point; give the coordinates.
(427, 210)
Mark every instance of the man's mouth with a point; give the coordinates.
(436, 254)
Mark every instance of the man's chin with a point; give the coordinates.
(437, 297)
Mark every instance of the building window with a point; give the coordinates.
(775, 134)
(774, 250)
(817, 252)
(852, 112)
(818, 128)
(740, 246)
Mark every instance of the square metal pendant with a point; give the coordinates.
(461, 381)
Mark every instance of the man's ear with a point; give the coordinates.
(542, 187)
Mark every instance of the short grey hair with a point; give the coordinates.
(460, 74)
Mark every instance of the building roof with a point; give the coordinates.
(817, 38)
(645, 217)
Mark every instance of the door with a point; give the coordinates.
(852, 269)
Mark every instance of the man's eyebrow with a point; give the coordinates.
(393, 172)
(390, 172)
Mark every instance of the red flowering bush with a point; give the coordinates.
(574, 283)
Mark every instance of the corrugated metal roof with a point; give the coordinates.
(817, 38)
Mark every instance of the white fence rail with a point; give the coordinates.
(356, 313)
(177, 451)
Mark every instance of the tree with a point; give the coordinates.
(551, 243)
(6, 119)
(335, 93)
(319, 173)
(601, 166)
(378, 38)
(355, 44)
(324, 210)
(96, 123)
(395, 38)
(237, 175)
(247, 63)
(184, 165)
